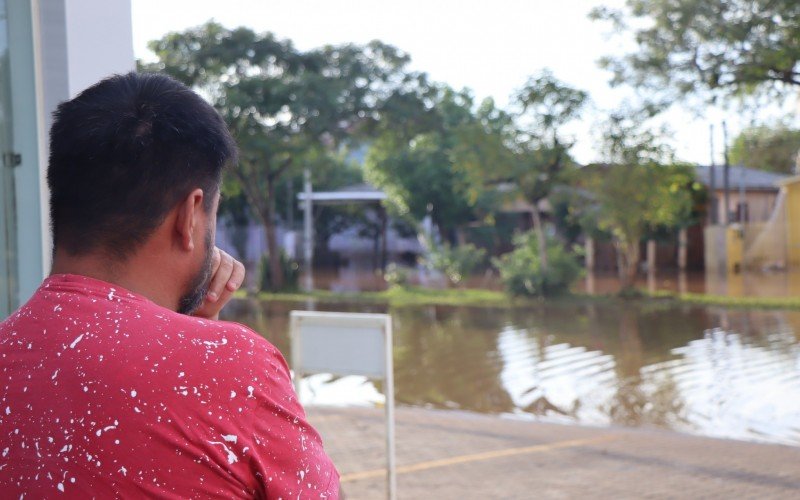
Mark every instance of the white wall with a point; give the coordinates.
(57, 48)
(32, 253)
(99, 41)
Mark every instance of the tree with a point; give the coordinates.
(639, 190)
(545, 105)
(285, 107)
(775, 149)
(524, 152)
(417, 163)
(725, 46)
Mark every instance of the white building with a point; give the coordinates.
(50, 50)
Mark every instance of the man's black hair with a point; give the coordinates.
(123, 153)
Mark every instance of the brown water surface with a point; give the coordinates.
(709, 371)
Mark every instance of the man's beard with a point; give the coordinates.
(198, 287)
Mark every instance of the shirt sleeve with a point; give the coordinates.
(287, 457)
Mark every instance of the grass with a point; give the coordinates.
(417, 296)
(405, 296)
(733, 302)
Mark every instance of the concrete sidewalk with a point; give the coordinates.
(442, 454)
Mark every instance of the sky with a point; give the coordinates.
(489, 46)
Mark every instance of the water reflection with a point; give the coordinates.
(710, 371)
(445, 358)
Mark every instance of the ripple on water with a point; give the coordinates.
(596, 365)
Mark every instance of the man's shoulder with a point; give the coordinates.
(223, 347)
(212, 334)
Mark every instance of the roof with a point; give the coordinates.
(749, 178)
(358, 193)
(791, 179)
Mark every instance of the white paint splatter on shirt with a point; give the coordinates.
(232, 458)
(75, 342)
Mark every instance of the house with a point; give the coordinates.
(752, 201)
(359, 248)
(751, 197)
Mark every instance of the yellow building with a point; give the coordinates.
(791, 188)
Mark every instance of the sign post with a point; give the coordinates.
(348, 344)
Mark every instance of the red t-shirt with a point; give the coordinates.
(106, 394)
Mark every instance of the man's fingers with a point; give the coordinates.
(216, 258)
(233, 282)
(227, 278)
(237, 276)
(220, 277)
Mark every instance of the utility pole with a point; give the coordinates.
(308, 231)
(712, 174)
(290, 204)
(726, 173)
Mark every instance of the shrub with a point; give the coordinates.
(455, 262)
(291, 273)
(395, 275)
(521, 273)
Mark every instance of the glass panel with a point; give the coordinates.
(8, 230)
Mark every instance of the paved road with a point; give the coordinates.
(444, 455)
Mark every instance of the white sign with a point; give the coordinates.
(348, 344)
(339, 343)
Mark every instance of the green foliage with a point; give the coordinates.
(639, 191)
(774, 149)
(634, 198)
(627, 140)
(523, 274)
(419, 175)
(541, 155)
(288, 109)
(538, 152)
(395, 275)
(291, 274)
(549, 103)
(456, 262)
(725, 46)
(641, 187)
(420, 159)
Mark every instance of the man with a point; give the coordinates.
(117, 377)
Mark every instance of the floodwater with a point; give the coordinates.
(702, 370)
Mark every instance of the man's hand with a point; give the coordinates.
(227, 275)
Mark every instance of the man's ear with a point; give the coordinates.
(188, 217)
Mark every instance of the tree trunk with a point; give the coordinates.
(461, 236)
(589, 250)
(264, 208)
(651, 265)
(538, 228)
(651, 256)
(683, 244)
(277, 280)
(628, 255)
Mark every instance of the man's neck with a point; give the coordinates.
(127, 275)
